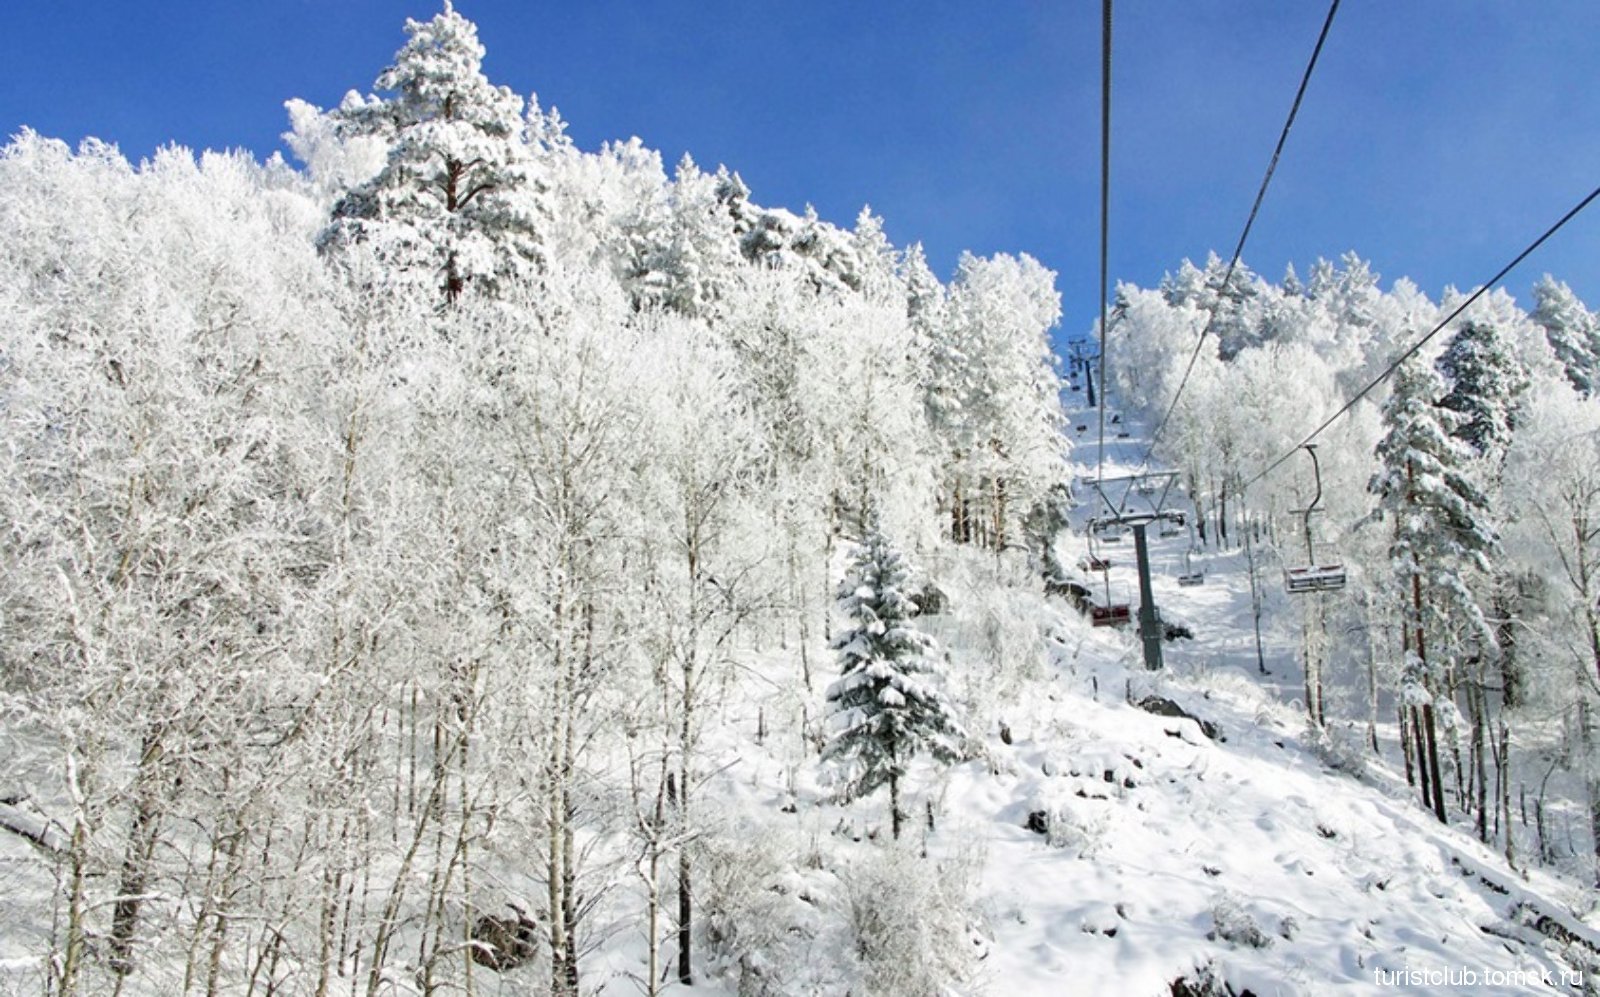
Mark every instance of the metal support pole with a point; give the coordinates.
(1149, 618)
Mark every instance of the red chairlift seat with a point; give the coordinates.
(1091, 562)
(1115, 615)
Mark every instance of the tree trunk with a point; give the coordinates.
(1420, 749)
(1480, 772)
(895, 817)
(78, 866)
(1405, 745)
(1433, 763)
(140, 850)
(685, 870)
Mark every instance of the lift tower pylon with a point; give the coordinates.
(1151, 629)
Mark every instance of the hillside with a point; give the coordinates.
(1108, 850)
(473, 564)
(1096, 848)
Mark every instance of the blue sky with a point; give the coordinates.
(1436, 140)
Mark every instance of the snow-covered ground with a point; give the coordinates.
(1095, 847)
(1110, 850)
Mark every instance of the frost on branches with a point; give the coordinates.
(454, 204)
(887, 705)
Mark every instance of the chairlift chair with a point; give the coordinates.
(1115, 615)
(1191, 575)
(1112, 612)
(1313, 577)
(1108, 532)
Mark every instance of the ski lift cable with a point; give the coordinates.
(1238, 249)
(1105, 213)
(1483, 289)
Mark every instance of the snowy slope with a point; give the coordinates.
(1157, 853)
(1250, 853)
(1096, 848)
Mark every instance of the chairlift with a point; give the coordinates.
(1107, 532)
(1191, 575)
(1094, 560)
(1115, 615)
(1313, 577)
(1111, 612)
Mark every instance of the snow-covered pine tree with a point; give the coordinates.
(887, 705)
(1440, 536)
(455, 200)
(1571, 330)
(1486, 385)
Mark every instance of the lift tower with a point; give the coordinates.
(1115, 494)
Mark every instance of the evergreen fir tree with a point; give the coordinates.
(1486, 385)
(887, 706)
(1571, 330)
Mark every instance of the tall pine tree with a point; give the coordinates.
(455, 203)
(888, 707)
(1571, 330)
(1486, 385)
(1439, 537)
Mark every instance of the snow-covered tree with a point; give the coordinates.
(1553, 481)
(995, 393)
(1440, 538)
(1571, 330)
(456, 203)
(1486, 383)
(887, 705)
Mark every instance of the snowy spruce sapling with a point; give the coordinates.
(887, 704)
